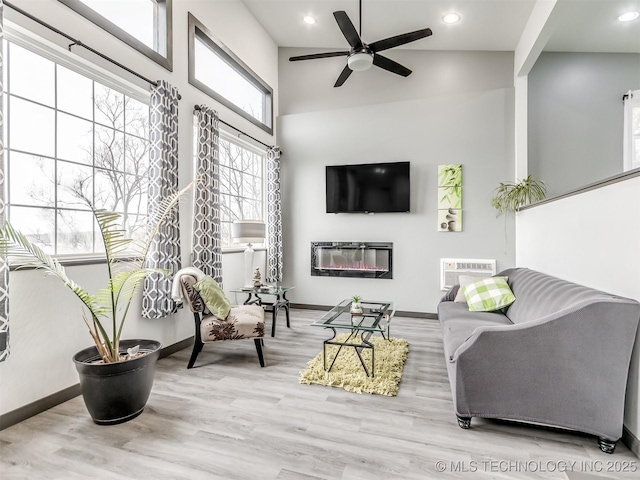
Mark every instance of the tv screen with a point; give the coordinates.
(368, 188)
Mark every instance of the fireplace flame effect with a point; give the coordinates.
(353, 267)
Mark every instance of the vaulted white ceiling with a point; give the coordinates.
(495, 25)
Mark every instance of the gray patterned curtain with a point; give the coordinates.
(207, 254)
(4, 266)
(163, 181)
(274, 217)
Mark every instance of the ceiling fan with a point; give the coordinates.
(362, 56)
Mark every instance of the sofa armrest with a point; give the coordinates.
(569, 369)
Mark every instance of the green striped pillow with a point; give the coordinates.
(488, 294)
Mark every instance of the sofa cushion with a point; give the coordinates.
(488, 294)
(458, 323)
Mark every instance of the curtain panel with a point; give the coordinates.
(207, 252)
(163, 182)
(4, 266)
(274, 217)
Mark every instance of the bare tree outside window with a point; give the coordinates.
(241, 192)
(98, 155)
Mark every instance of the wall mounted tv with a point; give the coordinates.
(368, 188)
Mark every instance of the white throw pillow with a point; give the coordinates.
(466, 280)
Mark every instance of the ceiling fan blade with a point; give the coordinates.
(313, 56)
(391, 42)
(390, 65)
(348, 30)
(343, 76)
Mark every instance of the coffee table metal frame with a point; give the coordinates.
(376, 317)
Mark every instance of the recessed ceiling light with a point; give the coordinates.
(309, 20)
(629, 16)
(451, 18)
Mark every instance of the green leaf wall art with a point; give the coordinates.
(450, 198)
(450, 175)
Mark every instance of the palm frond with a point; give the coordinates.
(123, 286)
(141, 246)
(113, 235)
(115, 299)
(15, 244)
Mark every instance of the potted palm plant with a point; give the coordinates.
(116, 375)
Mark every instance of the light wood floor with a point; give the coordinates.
(230, 419)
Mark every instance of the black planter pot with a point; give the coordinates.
(117, 392)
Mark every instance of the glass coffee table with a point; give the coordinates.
(376, 318)
(281, 301)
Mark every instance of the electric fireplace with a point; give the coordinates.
(352, 259)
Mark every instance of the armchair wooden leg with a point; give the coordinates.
(259, 343)
(197, 341)
(197, 348)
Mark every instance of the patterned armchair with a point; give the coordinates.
(243, 321)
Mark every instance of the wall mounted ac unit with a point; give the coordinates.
(452, 268)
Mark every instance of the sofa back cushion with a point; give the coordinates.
(538, 294)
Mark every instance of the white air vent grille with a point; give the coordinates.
(452, 268)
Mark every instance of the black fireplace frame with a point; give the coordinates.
(352, 273)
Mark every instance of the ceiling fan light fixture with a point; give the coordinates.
(360, 61)
(451, 18)
(309, 20)
(629, 16)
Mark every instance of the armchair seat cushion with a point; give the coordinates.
(243, 321)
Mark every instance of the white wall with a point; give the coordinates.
(592, 239)
(454, 108)
(46, 326)
(575, 127)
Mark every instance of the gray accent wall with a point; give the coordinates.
(455, 108)
(575, 116)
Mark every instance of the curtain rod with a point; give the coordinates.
(79, 43)
(198, 107)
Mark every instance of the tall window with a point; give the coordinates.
(143, 24)
(216, 71)
(631, 148)
(241, 185)
(70, 141)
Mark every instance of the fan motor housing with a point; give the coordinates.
(360, 60)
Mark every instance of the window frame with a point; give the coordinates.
(226, 55)
(58, 55)
(631, 161)
(229, 137)
(163, 29)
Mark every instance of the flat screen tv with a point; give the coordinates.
(368, 188)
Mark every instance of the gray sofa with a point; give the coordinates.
(559, 355)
